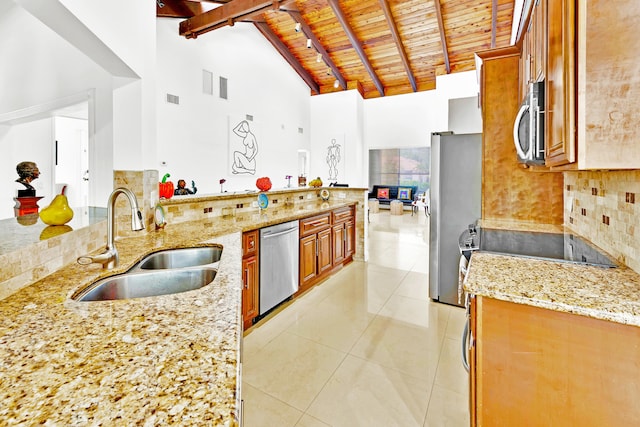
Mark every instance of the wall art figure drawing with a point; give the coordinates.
(333, 159)
(244, 162)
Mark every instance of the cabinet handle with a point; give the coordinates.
(246, 278)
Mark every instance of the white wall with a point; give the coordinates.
(32, 141)
(408, 120)
(337, 116)
(193, 137)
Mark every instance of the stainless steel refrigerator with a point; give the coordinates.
(455, 202)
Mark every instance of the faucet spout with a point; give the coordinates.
(109, 258)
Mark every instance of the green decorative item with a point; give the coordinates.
(58, 212)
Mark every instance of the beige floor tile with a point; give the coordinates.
(451, 374)
(309, 421)
(414, 285)
(262, 410)
(361, 393)
(291, 368)
(411, 349)
(447, 409)
(457, 320)
(333, 326)
(415, 311)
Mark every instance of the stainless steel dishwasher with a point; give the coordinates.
(279, 254)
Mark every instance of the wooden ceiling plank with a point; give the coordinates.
(396, 38)
(224, 15)
(357, 45)
(266, 31)
(443, 38)
(494, 19)
(307, 31)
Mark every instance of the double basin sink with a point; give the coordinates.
(160, 273)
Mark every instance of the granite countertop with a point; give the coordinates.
(166, 360)
(611, 294)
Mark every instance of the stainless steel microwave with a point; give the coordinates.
(528, 129)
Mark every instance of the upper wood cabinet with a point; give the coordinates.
(560, 132)
(592, 85)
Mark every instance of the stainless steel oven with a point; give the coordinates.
(528, 129)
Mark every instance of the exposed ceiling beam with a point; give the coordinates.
(178, 9)
(306, 29)
(443, 38)
(357, 45)
(396, 38)
(225, 15)
(264, 28)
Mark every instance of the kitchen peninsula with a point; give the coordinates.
(167, 360)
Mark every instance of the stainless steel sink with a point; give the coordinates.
(146, 284)
(180, 258)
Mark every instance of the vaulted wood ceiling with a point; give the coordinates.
(379, 47)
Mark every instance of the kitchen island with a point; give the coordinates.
(552, 342)
(166, 360)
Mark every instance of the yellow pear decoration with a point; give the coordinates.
(58, 212)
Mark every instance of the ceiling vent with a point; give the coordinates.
(173, 99)
(300, 130)
(249, 117)
(223, 88)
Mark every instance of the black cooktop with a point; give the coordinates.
(555, 246)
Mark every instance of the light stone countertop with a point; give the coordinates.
(611, 294)
(157, 361)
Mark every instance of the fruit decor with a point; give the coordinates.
(315, 182)
(165, 188)
(58, 212)
(263, 184)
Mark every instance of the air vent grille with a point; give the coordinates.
(173, 99)
(223, 88)
(300, 130)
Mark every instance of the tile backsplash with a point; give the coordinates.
(601, 206)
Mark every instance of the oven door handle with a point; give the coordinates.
(465, 345)
(516, 128)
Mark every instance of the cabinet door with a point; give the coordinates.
(324, 252)
(350, 239)
(308, 259)
(539, 40)
(338, 244)
(560, 143)
(250, 243)
(250, 290)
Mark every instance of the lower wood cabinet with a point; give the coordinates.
(250, 278)
(538, 367)
(327, 242)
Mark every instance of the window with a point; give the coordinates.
(400, 166)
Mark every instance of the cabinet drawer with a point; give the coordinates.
(249, 243)
(314, 224)
(342, 215)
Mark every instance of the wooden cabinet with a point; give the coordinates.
(592, 83)
(560, 132)
(315, 249)
(250, 278)
(538, 367)
(343, 235)
(538, 41)
(327, 242)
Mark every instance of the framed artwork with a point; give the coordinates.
(243, 146)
